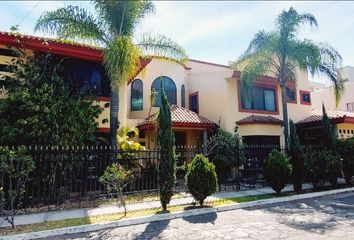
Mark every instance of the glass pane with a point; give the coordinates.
(269, 100)
(183, 96)
(306, 97)
(169, 88)
(246, 101)
(194, 103)
(137, 95)
(258, 98)
(290, 94)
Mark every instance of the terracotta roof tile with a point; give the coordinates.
(181, 115)
(255, 119)
(333, 115)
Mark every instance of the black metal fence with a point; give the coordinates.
(69, 176)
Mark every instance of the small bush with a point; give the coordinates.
(115, 178)
(322, 166)
(201, 178)
(277, 170)
(345, 148)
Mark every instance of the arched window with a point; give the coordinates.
(183, 96)
(136, 103)
(169, 87)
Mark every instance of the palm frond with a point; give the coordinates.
(161, 46)
(289, 22)
(305, 54)
(72, 23)
(122, 60)
(122, 17)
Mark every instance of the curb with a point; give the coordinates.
(169, 216)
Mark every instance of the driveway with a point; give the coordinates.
(330, 217)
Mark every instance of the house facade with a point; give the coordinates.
(203, 96)
(214, 93)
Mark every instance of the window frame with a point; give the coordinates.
(190, 102)
(131, 95)
(260, 85)
(303, 92)
(287, 99)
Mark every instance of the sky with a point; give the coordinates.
(214, 31)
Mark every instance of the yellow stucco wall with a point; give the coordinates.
(262, 130)
(155, 69)
(345, 130)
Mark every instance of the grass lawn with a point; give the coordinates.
(113, 217)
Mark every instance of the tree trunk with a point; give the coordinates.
(285, 113)
(114, 123)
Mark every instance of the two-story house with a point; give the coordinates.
(203, 95)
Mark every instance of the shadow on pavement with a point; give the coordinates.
(153, 229)
(205, 218)
(313, 215)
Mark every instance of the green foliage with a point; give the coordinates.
(345, 148)
(224, 153)
(328, 137)
(115, 178)
(281, 52)
(15, 167)
(321, 166)
(296, 158)
(167, 158)
(201, 178)
(42, 108)
(276, 170)
(112, 25)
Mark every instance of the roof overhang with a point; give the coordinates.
(179, 125)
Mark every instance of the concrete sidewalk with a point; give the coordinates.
(98, 211)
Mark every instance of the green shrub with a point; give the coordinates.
(345, 148)
(115, 178)
(15, 167)
(296, 159)
(201, 178)
(334, 165)
(276, 170)
(167, 157)
(322, 166)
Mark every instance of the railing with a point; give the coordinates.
(68, 177)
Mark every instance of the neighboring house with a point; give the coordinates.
(325, 94)
(310, 128)
(204, 96)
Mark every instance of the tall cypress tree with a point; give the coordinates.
(295, 160)
(327, 133)
(167, 158)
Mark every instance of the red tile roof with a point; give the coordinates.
(255, 119)
(336, 116)
(181, 117)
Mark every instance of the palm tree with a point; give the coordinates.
(281, 52)
(111, 27)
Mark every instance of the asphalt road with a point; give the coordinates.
(330, 217)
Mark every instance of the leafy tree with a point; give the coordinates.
(201, 178)
(322, 166)
(15, 167)
(276, 170)
(296, 159)
(43, 108)
(116, 177)
(281, 53)
(328, 138)
(167, 156)
(112, 26)
(345, 148)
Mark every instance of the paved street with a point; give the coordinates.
(329, 217)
